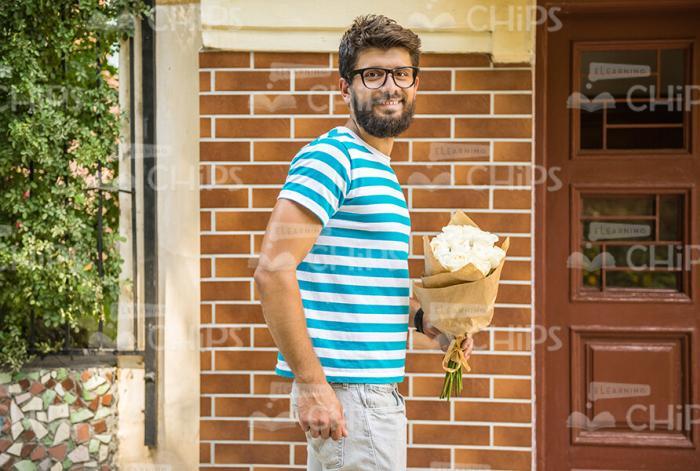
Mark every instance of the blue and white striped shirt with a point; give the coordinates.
(354, 282)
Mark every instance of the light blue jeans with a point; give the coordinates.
(375, 415)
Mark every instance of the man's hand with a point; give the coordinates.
(432, 332)
(320, 411)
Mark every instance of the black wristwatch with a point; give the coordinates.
(418, 320)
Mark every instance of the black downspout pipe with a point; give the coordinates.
(150, 226)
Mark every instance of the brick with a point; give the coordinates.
(246, 360)
(251, 174)
(216, 337)
(223, 430)
(317, 80)
(519, 247)
(425, 386)
(493, 80)
(276, 151)
(493, 222)
(205, 360)
(423, 174)
(223, 59)
(205, 268)
(480, 364)
(268, 430)
(512, 199)
(204, 127)
(512, 104)
(228, 267)
(427, 410)
(512, 436)
(263, 337)
(278, 60)
(204, 81)
(271, 384)
(239, 314)
(428, 127)
(225, 244)
(251, 454)
(516, 270)
(450, 434)
(242, 221)
(493, 127)
(224, 151)
(455, 60)
(224, 104)
(251, 406)
(225, 290)
(313, 127)
(511, 388)
(501, 175)
(514, 294)
(512, 341)
(205, 452)
(512, 152)
(453, 103)
(205, 221)
(223, 198)
(291, 104)
(443, 198)
(205, 313)
(435, 80)
(511, 316)
(205, 406)
(224, 384)
(450, 151)
(252, 81)
(492, 459)
(399, 152)
(492, 411)
(247, 127)
(428, 458)
(205, 174)
(265, 197)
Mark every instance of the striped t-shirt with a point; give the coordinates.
(354, 282)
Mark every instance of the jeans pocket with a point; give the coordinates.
(327, 451)
(382, 397)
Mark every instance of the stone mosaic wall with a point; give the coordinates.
(58, 419)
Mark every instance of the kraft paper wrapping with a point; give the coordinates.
(459, 303)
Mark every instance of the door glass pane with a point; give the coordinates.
(631, 98)
(621, 248)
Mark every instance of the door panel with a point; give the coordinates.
(621, 245)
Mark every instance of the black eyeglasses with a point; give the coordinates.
(375, 77)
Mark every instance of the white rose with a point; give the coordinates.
(457, 246)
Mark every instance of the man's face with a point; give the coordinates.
(385, 111)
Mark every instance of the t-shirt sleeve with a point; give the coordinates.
(319, 179)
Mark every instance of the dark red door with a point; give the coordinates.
(619, 388)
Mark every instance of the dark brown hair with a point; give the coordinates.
(374, 31)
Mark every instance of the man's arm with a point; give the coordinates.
(289, 236)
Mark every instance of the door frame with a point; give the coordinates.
(565, 8)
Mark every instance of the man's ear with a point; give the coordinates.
(344, 90)
(415, 85)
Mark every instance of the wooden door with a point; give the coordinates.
(619, 250)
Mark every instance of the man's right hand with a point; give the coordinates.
(320, 411)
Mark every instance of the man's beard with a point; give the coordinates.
(382, 126)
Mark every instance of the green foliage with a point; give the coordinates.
(58, 125)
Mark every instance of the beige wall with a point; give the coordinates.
(178, 41)
(498, 27)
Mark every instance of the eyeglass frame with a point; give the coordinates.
(386, 75)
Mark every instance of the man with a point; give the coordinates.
(333, 271)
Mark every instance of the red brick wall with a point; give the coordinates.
(471, 139)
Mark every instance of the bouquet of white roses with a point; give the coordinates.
(458, 288)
